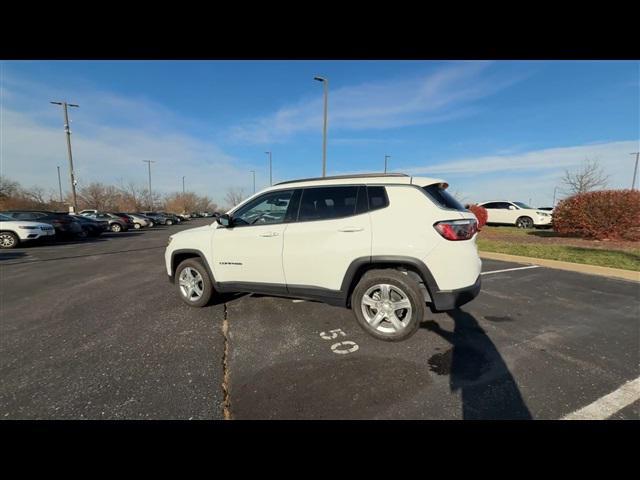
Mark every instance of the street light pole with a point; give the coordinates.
(385, 162)
(325, 84)
(149, 162)
(60, 184)
(68, 132)
(635, 170)
(554, 196)
(183, 185)
(270, 169)
(254, 180)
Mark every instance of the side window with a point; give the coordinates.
(490, 205)
(269, 208)
(325, 203)
(377, 198)
(25, 216)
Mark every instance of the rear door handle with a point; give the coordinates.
(269, 234)
(351, 229)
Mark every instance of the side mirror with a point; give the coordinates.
(224, 220)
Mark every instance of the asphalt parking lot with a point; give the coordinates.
(92, 329)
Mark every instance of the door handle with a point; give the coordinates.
(269, 234)
(351, 229)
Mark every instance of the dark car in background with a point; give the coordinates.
(64, 224)
(116, 223)
(92, 227)
(171, 216)
(124, 216)
(157, 217)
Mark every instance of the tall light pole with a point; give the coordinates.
(270, 169)
(635, 170)
(149, 162)
(325, 84)
(385, 162)
(254, 180)
(68, 132)
(183, 185)
(59, 183)
(554, 196)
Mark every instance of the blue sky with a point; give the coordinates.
(494, 130)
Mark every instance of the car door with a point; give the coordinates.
(331, 231)
(250, 250)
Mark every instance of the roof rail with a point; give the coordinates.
(339, 177)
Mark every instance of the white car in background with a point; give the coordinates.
(516, 213)
(13, 232)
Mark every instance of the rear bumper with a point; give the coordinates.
(451, 299)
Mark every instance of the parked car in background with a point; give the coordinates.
(92, 227)
(172, 216)
(14, 232)
(87, 212)
(128, 220)
(140, 221)
(157, 217)
(184, 216)
(64, 224)
(116, 223)
(516, 213)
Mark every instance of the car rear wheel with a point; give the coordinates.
(388, 305)
(116, 227)
(524, 222)
(169, 222)
(151, 224)
(8, 240)
(193, 282)
(137, 226)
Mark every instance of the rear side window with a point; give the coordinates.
(442, 198)
(377, 198)
(327, 202)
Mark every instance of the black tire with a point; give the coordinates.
(9, 240)
(207, 286)
(169, 222)
(137, 226)
(116, 227)
(407, 286)
(524, 222)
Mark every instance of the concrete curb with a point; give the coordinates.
(573, 267)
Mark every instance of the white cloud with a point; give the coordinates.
(532, 174)
(443, 95)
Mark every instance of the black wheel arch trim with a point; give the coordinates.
(197, 253)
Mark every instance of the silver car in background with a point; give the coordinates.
(140, 221)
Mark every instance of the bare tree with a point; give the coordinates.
(234, 196)
(8, 188)
(586, 178)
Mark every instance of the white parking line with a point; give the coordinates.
(510, 269)
(606, 406)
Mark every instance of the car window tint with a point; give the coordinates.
(327, 202)
(442, 198)
(267, 209)
(377, 198)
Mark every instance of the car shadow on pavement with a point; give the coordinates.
(478, 371)
(11, 255)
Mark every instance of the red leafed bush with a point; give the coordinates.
(605, 214)
(481, 214)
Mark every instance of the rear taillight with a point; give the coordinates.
(457, 229)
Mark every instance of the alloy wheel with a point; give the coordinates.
(386, 308)
(191, 284)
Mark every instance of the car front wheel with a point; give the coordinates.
(116, 227)
(137, 226)
(169, 222)
(524, 222)
(193, 282)
(8, 240)
(388, 304)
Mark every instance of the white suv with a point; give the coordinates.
(384, 245)
(516, 213)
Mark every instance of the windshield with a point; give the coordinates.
(522, 205)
